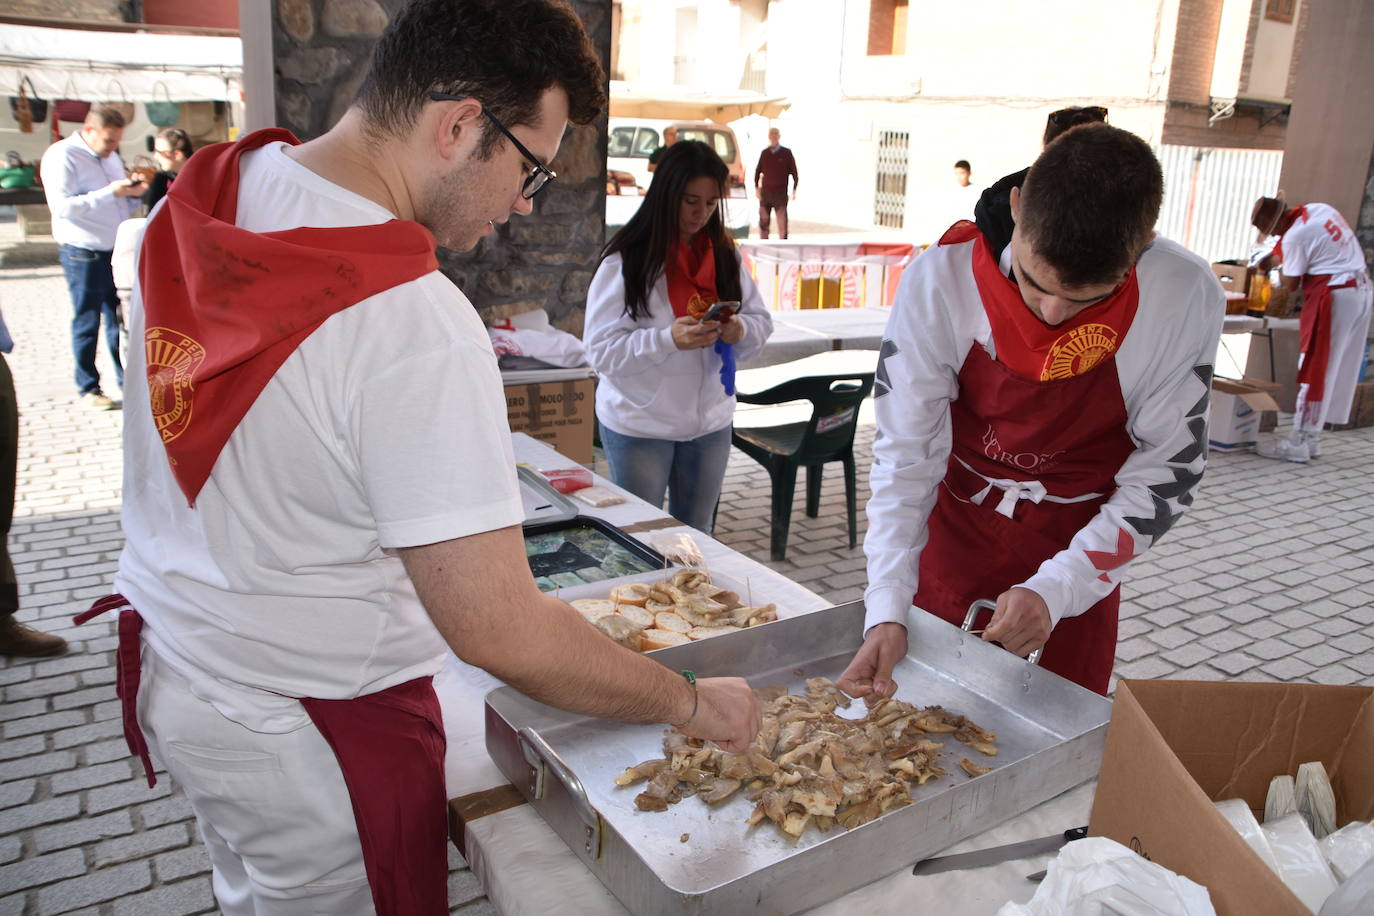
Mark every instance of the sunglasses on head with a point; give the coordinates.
(1072, 117)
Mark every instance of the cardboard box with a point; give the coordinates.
(559, 413)
(1176, 747)
(1235, 415)
(1268, 418)
(1235, 278)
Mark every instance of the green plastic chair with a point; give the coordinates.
(827, 436)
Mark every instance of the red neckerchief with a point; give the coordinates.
(225, 307)
(1025, 344)
(691, 271)
(1286, 222)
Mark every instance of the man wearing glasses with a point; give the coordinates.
(320, 493)
(1042, 414)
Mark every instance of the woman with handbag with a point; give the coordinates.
(171, 147)
(666, 399)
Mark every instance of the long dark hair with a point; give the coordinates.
(647, 238)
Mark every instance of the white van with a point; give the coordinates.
(633, 140)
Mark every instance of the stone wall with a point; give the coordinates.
(94, 10)
(545, 260)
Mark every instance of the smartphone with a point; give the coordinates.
(720, 311)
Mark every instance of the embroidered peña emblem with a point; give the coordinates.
(1078, 351)
(172, 360)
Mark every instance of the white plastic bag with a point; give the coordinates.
(1239, 816)
(677, 547)
(1100, 877)
(547, 344)
(1348, 849)
(1301, 865)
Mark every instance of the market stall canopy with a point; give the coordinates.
(678, 103)
(112, 66)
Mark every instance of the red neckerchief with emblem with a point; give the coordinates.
(1029, 347)
(225, 307)
(691, 271)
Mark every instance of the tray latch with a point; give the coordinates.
(982, 604)
(542, 759)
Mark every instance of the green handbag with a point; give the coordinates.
(18, 176)
(164, 112)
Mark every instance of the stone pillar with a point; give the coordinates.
(545, 260)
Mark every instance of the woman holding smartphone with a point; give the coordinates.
(665, 400)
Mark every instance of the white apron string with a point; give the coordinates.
(1012, 490)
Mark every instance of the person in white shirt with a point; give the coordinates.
(1042, 415)
(1318, 254)
(320, 493)
(89, 196)
(665, 401)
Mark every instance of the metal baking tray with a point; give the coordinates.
(1050, 733)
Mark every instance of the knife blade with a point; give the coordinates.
(996, 854)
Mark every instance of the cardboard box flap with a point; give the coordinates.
(1352, 778)
(1257, 400)
(1168, 819)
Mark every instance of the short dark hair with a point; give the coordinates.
(1090, 203)
(647, 240)
(963, 164)
(104, 116)
(177, 140)
(504, 53)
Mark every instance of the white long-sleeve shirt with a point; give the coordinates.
(648, 387)
(85, 212)
(1164, 365)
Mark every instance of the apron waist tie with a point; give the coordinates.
(128, 672)
(1012, 490)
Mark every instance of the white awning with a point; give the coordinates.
(631, 100)
(117, 66)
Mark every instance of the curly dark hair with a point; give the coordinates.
(504, 53)
(1090, 203)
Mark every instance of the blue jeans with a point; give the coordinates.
(90, 282)
(691, 472)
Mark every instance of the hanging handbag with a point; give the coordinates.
(123, 106)
(27, 107)
(162, 112)
(72, 110)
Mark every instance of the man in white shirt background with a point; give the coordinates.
(89, 195)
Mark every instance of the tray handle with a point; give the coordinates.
(982, 604)
(542, 759)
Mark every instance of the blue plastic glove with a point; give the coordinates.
(727, 366)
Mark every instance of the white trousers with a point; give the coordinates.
(1350, 309)
(273, 809)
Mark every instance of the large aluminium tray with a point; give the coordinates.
(1050, 733)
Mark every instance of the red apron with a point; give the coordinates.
(1314, 330)
(1031, 464)
(390, 746)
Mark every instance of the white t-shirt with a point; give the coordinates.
(1320, 241)
(385, 429)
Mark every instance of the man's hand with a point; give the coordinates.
(123, 187)
(727, 713)
(691, 334)
(869, 675)
(1021, 622)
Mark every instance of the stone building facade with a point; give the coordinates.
(545, 260)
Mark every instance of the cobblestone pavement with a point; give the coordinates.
(1268, 578)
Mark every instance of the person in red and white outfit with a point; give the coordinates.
(320, 497)
(1316, 252)
(1042, 414)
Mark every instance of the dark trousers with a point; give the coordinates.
(90, 282)
(773, 200)
(9, 466)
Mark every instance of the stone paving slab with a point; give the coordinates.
(1268, 578)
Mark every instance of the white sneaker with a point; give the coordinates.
(97, 401)
(1314, 446)
(1283, 450)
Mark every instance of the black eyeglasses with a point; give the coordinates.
(540, 174)
(1072, 117)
